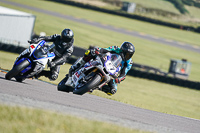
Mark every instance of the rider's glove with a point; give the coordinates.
(117, 80)
(35, 40)
(95, 51)
(92, 52)
(30, 41)
(51, 64)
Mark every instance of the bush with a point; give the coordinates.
(191, 3)
(188, 2)
(179, 5)
(198, 29)
(114, 2)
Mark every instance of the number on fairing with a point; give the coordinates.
(110, 67)
(75, 77)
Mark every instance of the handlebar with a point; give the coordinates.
(45, 51)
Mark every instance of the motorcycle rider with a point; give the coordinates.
(126, 50)
(62, 50)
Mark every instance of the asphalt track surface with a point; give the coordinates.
(111, 28)
(39, 94)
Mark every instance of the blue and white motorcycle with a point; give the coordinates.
(31, 61)
(93, 75)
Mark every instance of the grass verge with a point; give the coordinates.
(116, 21)
(15, 119)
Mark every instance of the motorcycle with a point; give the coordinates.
(33, 63)
(93, 75)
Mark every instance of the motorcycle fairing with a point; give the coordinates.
(42, 59)
(50, 54)
(112, 67)
(88, 65)
(75, 78)
(39, 61)
(35, 46)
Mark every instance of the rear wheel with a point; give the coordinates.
(17, 69)
(91, 83)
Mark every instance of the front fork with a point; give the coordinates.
(104, 76)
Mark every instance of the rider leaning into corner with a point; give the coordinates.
(63, 49)
(126, 50)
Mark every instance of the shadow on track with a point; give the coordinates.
(12, 80)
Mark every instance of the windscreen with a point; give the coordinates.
(39, 52)
(116, 60)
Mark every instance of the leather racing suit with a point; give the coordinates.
(62, 51)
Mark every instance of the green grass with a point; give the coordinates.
(142, 93)
(157, 96)
(194, 11)
(167, 6)
(120, 22)
(15, 119)
(191, 19)
(157, 4)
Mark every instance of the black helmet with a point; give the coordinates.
(67, 35)
(128, 50)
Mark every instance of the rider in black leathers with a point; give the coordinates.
(63, 49)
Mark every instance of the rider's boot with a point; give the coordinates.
(54, 72)
(43, 73)
(110, 89)
(79, 63)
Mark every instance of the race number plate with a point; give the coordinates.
(75, 77)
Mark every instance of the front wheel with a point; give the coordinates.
(20, 79)
(92, 83)
(17, 69)
(62, 87)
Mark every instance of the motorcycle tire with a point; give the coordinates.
(62, 87)
(17, 69)
(93, 82)
(19, 79)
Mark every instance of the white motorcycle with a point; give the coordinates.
(93, 75)
(33, 63)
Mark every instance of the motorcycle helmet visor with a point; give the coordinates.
(128, 55)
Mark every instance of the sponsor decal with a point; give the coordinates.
(87, 52)
(77, 74)
(32, 46)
